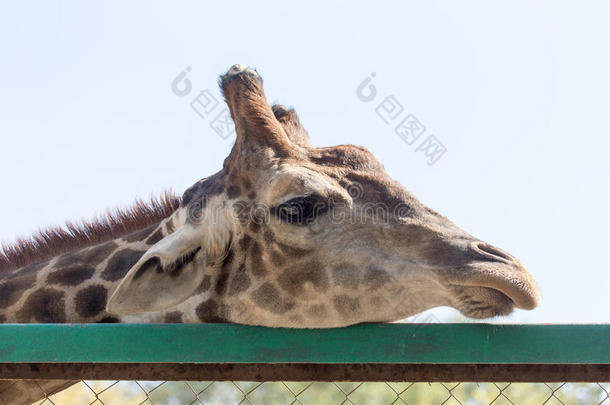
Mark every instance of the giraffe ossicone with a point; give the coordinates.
(284, 235)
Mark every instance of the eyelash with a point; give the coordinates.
(302, 210)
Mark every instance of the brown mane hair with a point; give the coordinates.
(53, 241)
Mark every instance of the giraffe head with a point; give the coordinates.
(294, 235)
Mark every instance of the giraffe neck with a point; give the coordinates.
(74, 286)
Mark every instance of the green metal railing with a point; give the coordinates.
(401, 363)
(419, 352)
(367, 343)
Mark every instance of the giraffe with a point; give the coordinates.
(284, 235)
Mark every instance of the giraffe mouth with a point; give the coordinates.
(488, 289)
(482, 302)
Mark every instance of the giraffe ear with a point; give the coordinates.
(166, 275)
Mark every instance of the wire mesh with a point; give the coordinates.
(283, 392)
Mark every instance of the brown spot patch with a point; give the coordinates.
(240, 281)
(71, 275)
(294, 278)
(12, 288)
(221, 283)
(206, 187)
(155, 237)
(244, 242)
(268, 236)
(247, 184)
(233, 191)
(120, 263)
(252, 195)
(45, 305)
(109, 319)
(257, 267)
(29, 269)
(89, 256)
(205, 285)
(2, 318)
(228, 259)
(269, 298)
(210, 312)
(225, 272)
(173, 317)
(277, 259)
(375, 277)
(241, 212)
(254, 226)
(346, 305)
(71, 258)
(90, 301)
(99, 253)
(346, 275)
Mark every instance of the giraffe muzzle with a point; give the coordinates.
(500, 271)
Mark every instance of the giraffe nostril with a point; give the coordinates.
(493, 251)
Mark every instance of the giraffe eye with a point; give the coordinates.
(302, 210)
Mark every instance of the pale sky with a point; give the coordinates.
(517, 92)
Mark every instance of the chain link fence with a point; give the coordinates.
(234, 392)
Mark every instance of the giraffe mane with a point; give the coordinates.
(112, 224)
